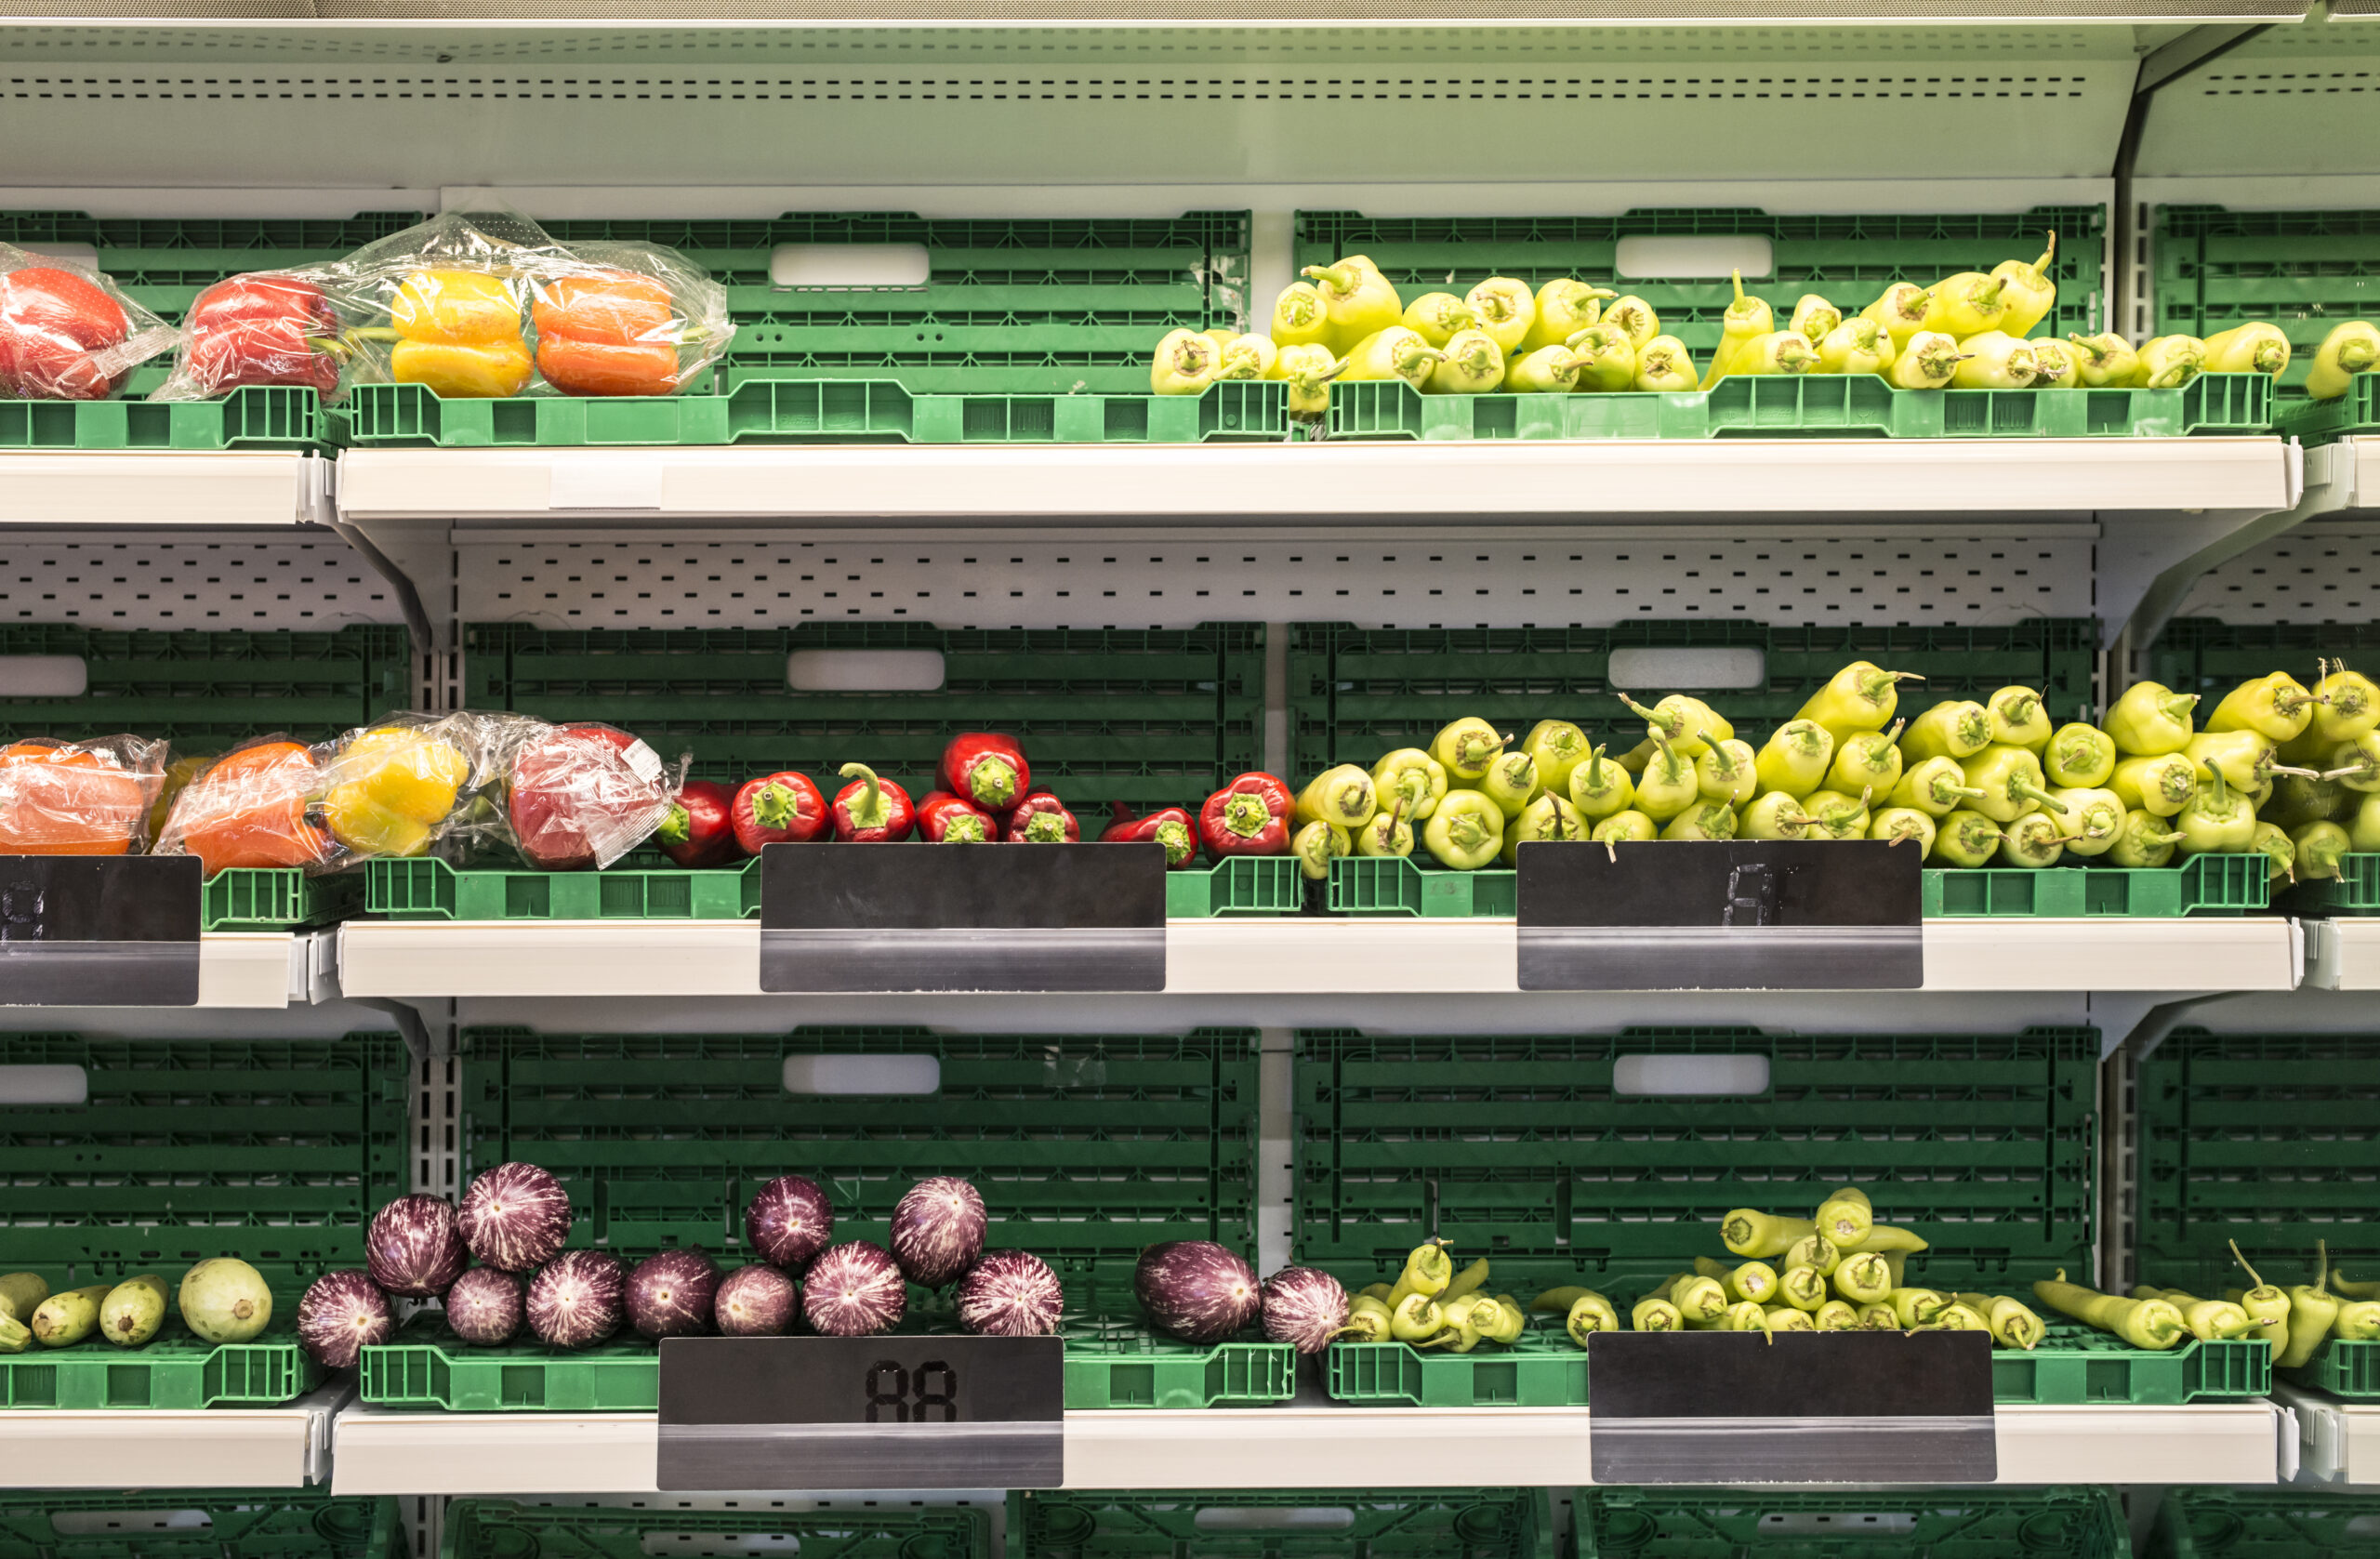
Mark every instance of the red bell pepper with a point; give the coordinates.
(871, 810)
(1170, 826)
(1248, 816)
(583, 796)
(1041, 818)
(262, 328)
(986, 768)
(782, 808)
(946, 819)
(697, 832)
(53, 323)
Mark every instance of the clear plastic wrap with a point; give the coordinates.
(262, 328)
(87, 798)
(68, 332)
(407, 785)
(583, 796)
(258, 805)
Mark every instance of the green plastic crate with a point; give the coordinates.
(1829, 405)
(2203, 884)
(1150, 718)
(1401, 885)
(1962, 1523)
(1355, 693)
(2210, 657)
(261, 899)
(1239, 885)
(2290, 1523)
(429, 888)
(210, 689)
(230, 1523)
(256, 416)
(1273, 1524)
(275, 1151)
(174, 1370)
(2268, 1139)
(2356, 890)
(811, 411)
(828, 1528)
(2303, 271)
(1087, 1148)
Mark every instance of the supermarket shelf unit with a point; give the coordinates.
(218, 1447)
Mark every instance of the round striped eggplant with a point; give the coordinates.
(1010, 1293)
(671, 1294)
(938, 1230)
(1196, 1289)
(515, 1217)
(853, 1289)
(1303, 1308)
(484, 1306)
(575, 1300)
(412, 1249)
(755, 1301)
(341, 1314)
(790, 1220)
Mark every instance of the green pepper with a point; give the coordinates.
(1622, 827)
(2297, 799)
(1866, 761)
(1786, 1317)
(1726, 772)
(2093, 818)
(1795, 757)
(2277, 706)
(1937, 787)
(1966, 838)
(2248, 758)
(2363, 826)
(1558, 747)
(1343, 796)
(1600, 786)
(1835, 1316)
(2079, 756)
(1548, 817)
(2272, 841)
(2018, 720)
(2161, 784)
(2218, 821)
(1837, 816)
(2011, 780)
(1814, 1249)
(1466, 747)
(1863, 1278)
(1860, 698)
(1412, 776)
(1317, 845)
(1668, 784)
(1904, 823)
(1386, 833)
(2142, 841)
(2151, 718)
(2317, 848)
(2032, 841)
(2347, 703)
(2312, 1308)
(1950, 729)
(1415, 1318)
(1688, 724)
(2356, 764)
(1914, 1307)
(1773, 815)
(1466, 832)
(1510, 782)
(1703, 820)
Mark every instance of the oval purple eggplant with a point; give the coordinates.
(938, 1230)
(671, 1294)
(853, 1289)
(757, 1300)
(575, 1299)
(1304, 1307)
(484, 1307)
(515, 1217)
(788, 1221)
(1010, 1293)
(412, 1249)
(340, 1314)
(1196, 1289)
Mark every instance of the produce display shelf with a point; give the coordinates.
(175, 1371)
(1401, 885)
(2074, 1364)
(1241, 885)
(230, 1523)
(1833, 406)
(2346, 1369)
(2354, 415)
(823, 1529)
(210, 689)
(274, 1151)
(2202, 884)
(2356, 890)
(262, 899)
(1479, 1523)
(2264, 1524)
(2056, 1523)
(1147, 717)
(1355, 694)
(256, 416)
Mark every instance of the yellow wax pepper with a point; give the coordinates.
(390, 787)
(459, 332)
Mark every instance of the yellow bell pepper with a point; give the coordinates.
(389, 787)
(459, 333)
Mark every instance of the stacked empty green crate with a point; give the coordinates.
(827, 1528)
(1609, 1161)
(1363, 1523)
(982, 331)
(1086, 1148)
(2306, 272)
(164, 264)
(2265, 1524)
(2051, 1523)
(201, 1523)
(2268, 1140)
(154, 1155)
(207, 691)
(1849, 261)
(1140, 718)
(1356, 694)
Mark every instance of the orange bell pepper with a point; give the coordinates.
(611, 334)
(57, 799)
(249, 810)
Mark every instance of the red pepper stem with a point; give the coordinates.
(992, 781)
(774, 806)
(870, 809)
(1247, 815)
(677, 827)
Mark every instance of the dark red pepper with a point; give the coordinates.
(265, 327)
(986, 768)
(697, 832)
(1170, 826)
(1248, 816)
(782, 808)
(1041, 818)
(871, 810)
(946, 819)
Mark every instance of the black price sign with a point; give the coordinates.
(862, 1412)
(1745, 915)
(962, 918)
(1738, 1407)
(110, 931)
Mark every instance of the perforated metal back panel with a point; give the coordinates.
(2325, 571)
(190, 581)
